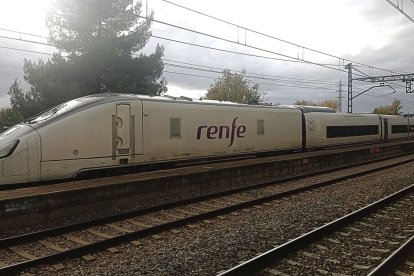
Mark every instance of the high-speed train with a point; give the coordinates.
(107, 131)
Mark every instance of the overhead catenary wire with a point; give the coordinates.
(293, 86)
(239, 71)
(251, 47)
(209, 77)
(297, 86)
(24, 50)
(276, 38)
(289, 60)
(262, 76)
(268, 84)
(250, 75)
(247, 54)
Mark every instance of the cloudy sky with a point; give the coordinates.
(322, 37)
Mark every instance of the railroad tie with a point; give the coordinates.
(118, 228)
(59, 266)
(88, 257)
(208, 205)
(75, 239)
(201, 209)
(52, 246)
(136, 243)
(3, 264)
(112, 250)
(99, 234)
(186, 212)
(159, 221)
(137, 223)
(23, 253)
(174, 216)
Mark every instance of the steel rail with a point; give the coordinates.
(166, 226)
(387, 266)
(261, 261)
(121, 216)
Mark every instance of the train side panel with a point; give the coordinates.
(178, 130)
(395, 127)
(329, 129)
(105, 135)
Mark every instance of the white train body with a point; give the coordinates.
(111, 130)
(330, 129)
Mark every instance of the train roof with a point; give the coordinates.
(97, 99)
(182, 99)
(71, 105)
(307, 109)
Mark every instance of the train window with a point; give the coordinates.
(411, 128)
(175, 128)
(260, 126)
(399, 129)
(348, 131)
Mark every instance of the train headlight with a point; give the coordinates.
(7, 149)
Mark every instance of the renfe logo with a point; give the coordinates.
(222, 132)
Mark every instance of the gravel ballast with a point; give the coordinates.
(221, 243)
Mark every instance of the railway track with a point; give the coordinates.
(51, 245)
(369, 241)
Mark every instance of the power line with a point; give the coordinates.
(13, 31)
(293, 80)
(249, 76)
(211, 48)
(268, 84)
(257, 74)
(36, 42)
(250, 46)
(25, 40)
(23, 50)
(392, 98)
(47, 44)
(301, 86)
(273, 37)
(230, 41)
(222, 50)
(163, 38)
(401, 10)
(246, 54)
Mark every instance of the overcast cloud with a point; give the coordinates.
(370, 32)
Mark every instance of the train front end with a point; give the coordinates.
(19, 155)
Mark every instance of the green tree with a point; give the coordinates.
(101, 39)
(235, 87)
(305, 102)
(393, 109)
(9, 118)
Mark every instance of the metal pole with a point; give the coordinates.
(349, 67)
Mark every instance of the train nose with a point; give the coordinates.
(12, 162)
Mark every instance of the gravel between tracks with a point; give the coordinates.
(211, 247)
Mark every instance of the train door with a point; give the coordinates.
(385, 129)
(313, 137)
(123, 132)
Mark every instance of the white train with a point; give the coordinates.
(107, 131)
